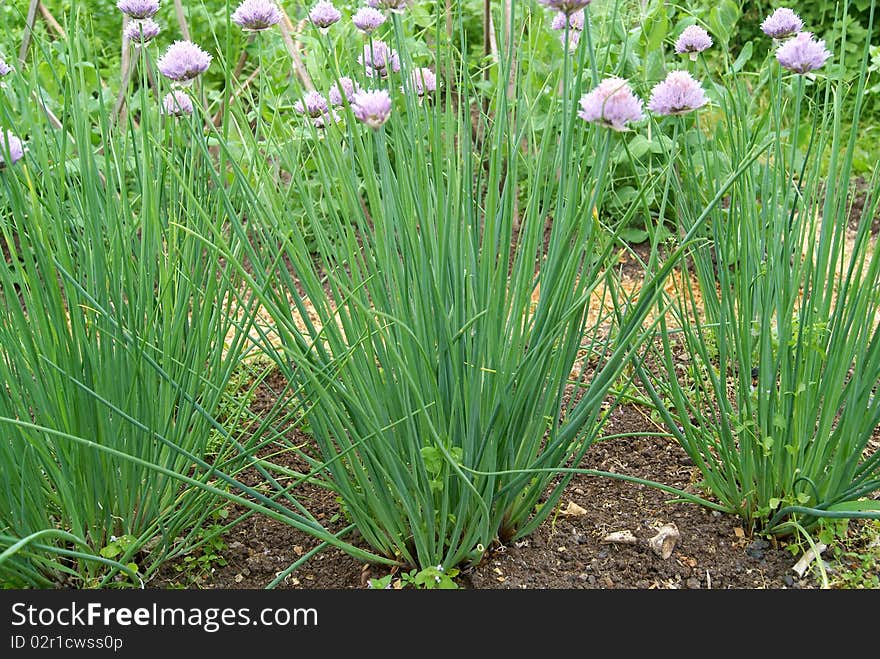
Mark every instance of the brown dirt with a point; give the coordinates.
(566, 552)
(857, 211)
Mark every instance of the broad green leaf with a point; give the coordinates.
(744, 56)
(856, 506)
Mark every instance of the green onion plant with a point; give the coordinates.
(767, 369)
(438, 341)
(119, 330)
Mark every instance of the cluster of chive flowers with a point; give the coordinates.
(575, 21)
(798, 51)
(141, 28)
(614, 104)
(377, 60)
(182, 62)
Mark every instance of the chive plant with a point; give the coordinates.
(775, 399)
(431, 335)
(119, 330)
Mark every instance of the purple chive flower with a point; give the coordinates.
(367, 19)
(576, 25)
(331, 116)
(183, 62)
(5, 69)
(423, 81)
(177, 104)
(312, 104)
(397, 6)
(782, 23)
(324, 14)
(678, 93)
(10, 143)
(372, 107)
(693, 40)
(345, 89)
(575, 20)
(138, 9)
(802, 53)
(256, 15)
(379, 59)
(612, 103)
(567, 7)
(140, 32)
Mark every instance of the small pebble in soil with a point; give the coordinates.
(756, 549)
(693, 583)
(789, 580)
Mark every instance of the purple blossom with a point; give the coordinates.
(312, 104)
(397, 6)
(183, 62)
(575, 20)
(140, 32)
(678, 93)
(177, 104)
(138, 9)
(575, 24)
(802, 53)
(331, 116)
(693, 39)
(423, 81)
(379, 59)
(782, 23)
(9, 142)
(612, 103)
(344, 89)
(372, 107)
(324, 14)
(5, 69)
(567, 7)
(367, 19)
(256, 15)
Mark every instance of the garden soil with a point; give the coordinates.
(570, 550)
